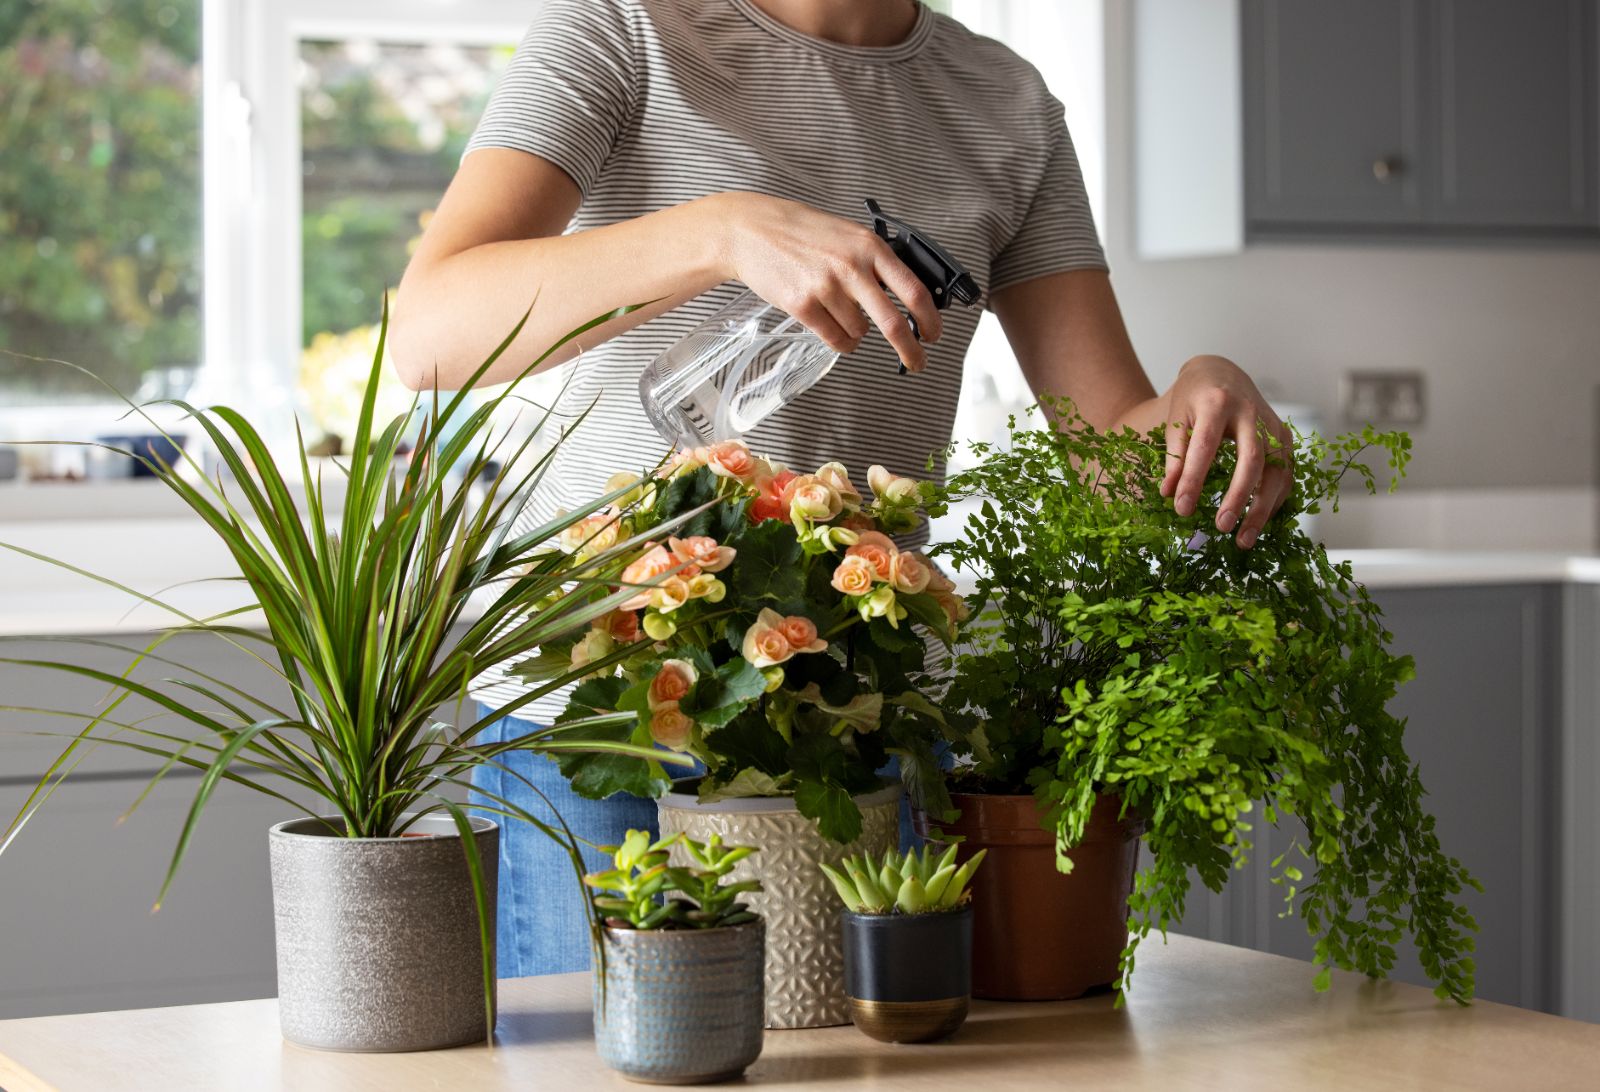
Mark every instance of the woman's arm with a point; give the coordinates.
(495, 246)
(1068, 334)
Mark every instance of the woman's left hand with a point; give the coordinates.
(1213, 400)
(1069, 339)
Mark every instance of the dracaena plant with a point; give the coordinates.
(1127, 650)
(365, 622)
(644, 891)
(779, 634)
(914, 882)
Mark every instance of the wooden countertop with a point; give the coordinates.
(1201, 1015)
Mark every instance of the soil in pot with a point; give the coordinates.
(908, 976)
(1039, 934)
(681, 1006)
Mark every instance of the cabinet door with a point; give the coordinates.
(1332, 107)
(1481, 724)
(1513, 113)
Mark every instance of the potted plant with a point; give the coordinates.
(1132, 673)
(677, 998)
(784, 652)
(384, 890)
(907, 927)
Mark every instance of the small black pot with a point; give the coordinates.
(908, 976)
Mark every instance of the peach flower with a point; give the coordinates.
(910, 572)
(646, 571)
(622, 625)
(670, 727)
(801, 633)
(594, 644)
(700, 554)
(672, 593)
(707, 587)
(893, 489)
(878, 550)
(591, 535)
(854, 575)
(810, 498)
(682, 462)
(837, 477)
(672, 683)
(769, 502)
(764, 645)
(732, 459)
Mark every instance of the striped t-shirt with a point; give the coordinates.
(651, 103)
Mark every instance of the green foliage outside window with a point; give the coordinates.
(100, 193)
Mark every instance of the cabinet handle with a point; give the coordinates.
(1386, 168)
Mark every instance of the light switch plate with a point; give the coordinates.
(1383, 398)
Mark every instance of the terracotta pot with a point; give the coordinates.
(1039, 934)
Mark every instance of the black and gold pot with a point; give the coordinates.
(908, 976)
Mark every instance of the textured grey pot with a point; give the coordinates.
(378, 938)
(681, 1006)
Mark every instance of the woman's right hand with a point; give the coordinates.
(830, 273)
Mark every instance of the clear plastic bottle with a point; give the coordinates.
(749, 359)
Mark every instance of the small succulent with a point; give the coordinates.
(643, 891)
(910, 883)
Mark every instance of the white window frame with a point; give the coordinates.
(251, 169)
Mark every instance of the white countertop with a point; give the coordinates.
(155, 554)
(1445, 568)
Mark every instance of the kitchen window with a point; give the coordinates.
(100, 257)
(295, 168)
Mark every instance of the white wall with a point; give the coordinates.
(1508, 336)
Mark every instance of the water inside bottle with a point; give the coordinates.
(719, 384)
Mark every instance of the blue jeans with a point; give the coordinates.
(543, 925)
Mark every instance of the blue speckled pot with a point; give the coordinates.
(682, 1006)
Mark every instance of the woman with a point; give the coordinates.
(662, 150)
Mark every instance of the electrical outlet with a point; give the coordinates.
(1383, 398)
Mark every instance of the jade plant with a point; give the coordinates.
(645, 891)
(1127, 650)
(915, 882)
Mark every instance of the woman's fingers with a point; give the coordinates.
(819, 319)
(1200, 450)
(1247, 473)
(891, 272)
(1277, 480)
(887, 317)
(1177, 444)
(842, 306)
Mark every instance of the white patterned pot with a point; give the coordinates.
(805, 956)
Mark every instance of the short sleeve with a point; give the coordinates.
(1057, 233)
(568, 92)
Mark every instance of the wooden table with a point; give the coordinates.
(1202, 1015)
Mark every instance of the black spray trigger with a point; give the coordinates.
(946, 279)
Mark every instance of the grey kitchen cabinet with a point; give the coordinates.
(77, 885)
(1333, 112)
(1439, 117)
(1502, 721)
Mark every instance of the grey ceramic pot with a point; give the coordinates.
(378, 938)
(681, 1006)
